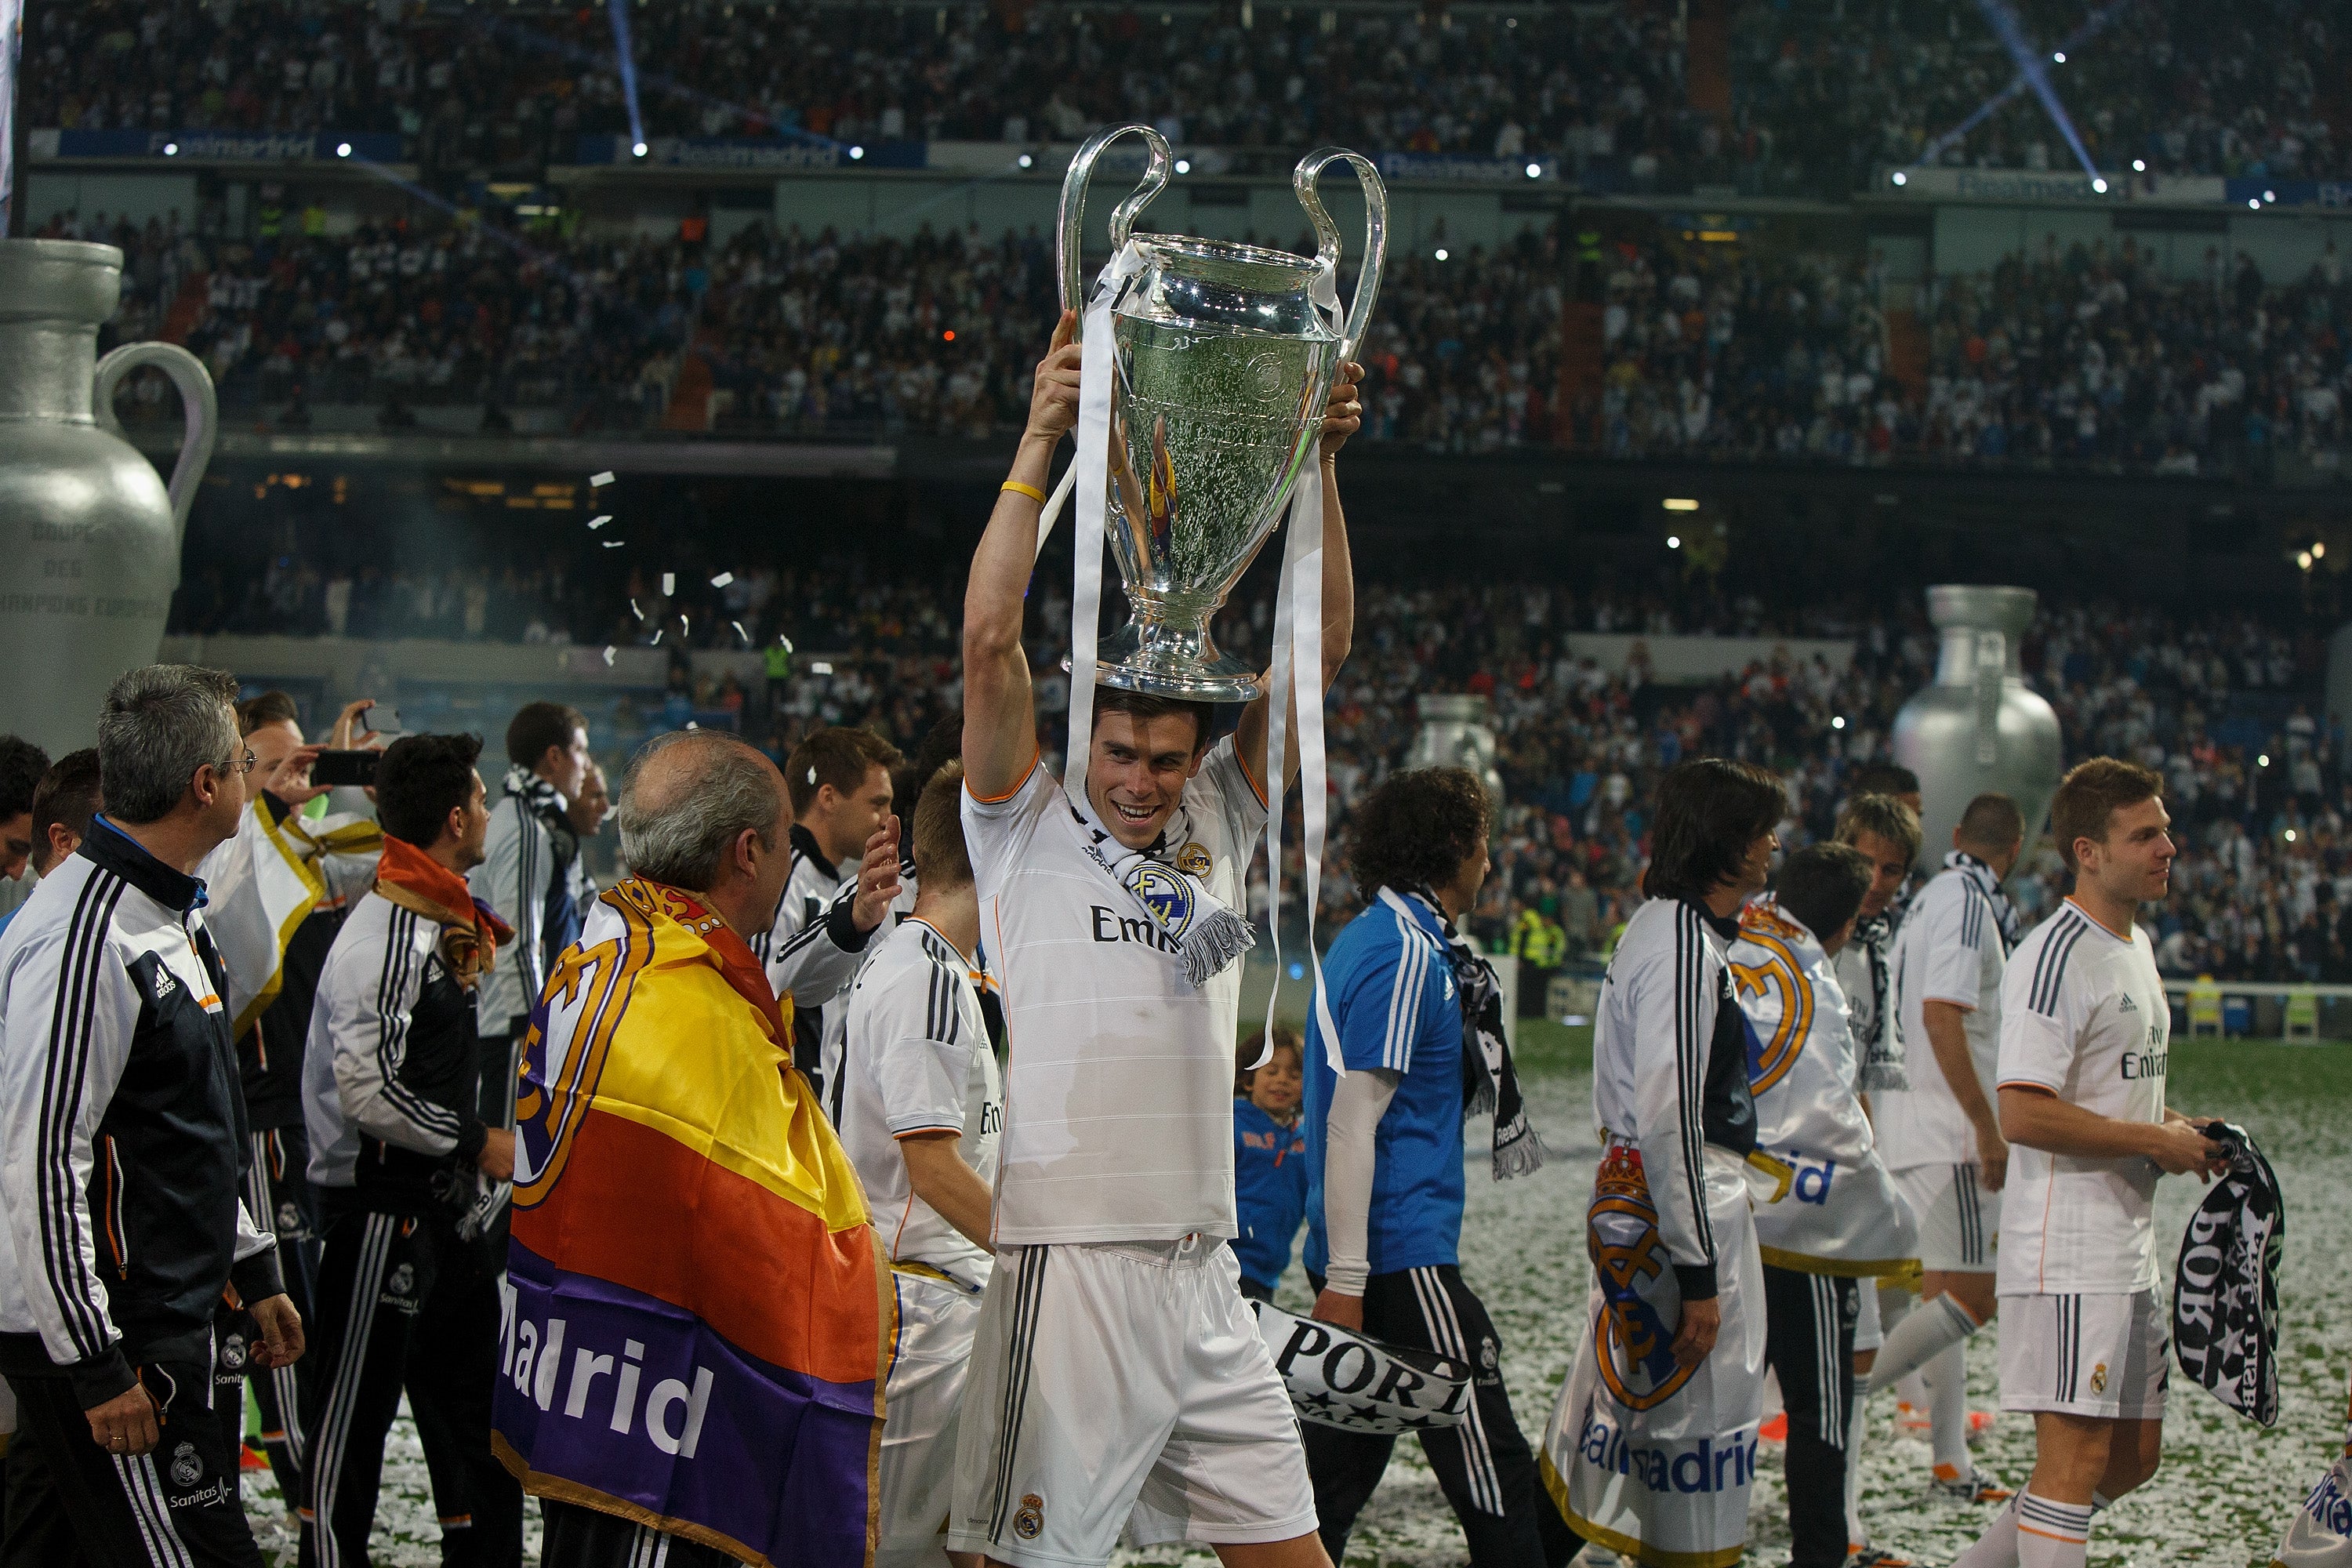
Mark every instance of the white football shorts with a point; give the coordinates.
(1959, 1221)
(2104, 1356)
(1122, 1387)
(937, 1319)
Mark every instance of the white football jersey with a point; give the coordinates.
(2084, 1017)
(915, 1058)
(1948, 949)
(1119, 1071)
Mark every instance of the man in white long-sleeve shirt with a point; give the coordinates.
(121, 1141)
(1652, 1446)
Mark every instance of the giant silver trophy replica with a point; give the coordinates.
(1977, 728)
(1457, 731)
(1223, 356)
(91, 536)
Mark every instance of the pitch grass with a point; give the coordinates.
(2221, 1501)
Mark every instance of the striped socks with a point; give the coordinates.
(2052, 1534)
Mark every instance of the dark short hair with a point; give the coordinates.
(1991, 822)
(268, 707)
(538, 725)
(1141, 706)
(1285, 1038)
(1881, 816)
(1415, 829)
(21, 764)
(159, 724)
(839, 755)
(1883, 778)
(69, 794)
(942, 744)
(942, 860)
(1822, 885)
(2089, 796)
(421, 780)
(1709, 811)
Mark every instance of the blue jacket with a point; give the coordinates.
(1269, 1190)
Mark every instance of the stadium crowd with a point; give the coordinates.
(2225, 705)
(1813, 102)
(2077, 358)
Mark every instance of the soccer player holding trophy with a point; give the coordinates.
(1205, 381)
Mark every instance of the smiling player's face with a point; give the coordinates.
(1136, 777)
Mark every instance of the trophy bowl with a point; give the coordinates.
(1223, 356)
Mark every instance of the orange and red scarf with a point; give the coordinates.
(471, 930)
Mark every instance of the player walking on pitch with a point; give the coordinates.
(2085, 1039)
(921, 1106)
(1115, 1191)
(1942, 1138)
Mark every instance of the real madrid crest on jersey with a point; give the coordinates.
(187, 1466)
(1193, 858)
(1168, 895)
(1637, 1360)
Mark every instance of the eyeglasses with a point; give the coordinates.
(241, 766)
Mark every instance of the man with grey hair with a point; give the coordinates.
(122, 1135)
(658, 1059)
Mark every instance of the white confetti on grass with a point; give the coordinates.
(2221, 1501)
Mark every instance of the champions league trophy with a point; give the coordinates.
(93, 533)
(1223, 356)
(1979, 728)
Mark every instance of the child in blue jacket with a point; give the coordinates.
(1269, 1158)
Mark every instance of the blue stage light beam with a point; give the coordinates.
(2092, 26)
(627, 57)
(2031, 66)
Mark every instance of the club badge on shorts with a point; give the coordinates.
(1030, 1523)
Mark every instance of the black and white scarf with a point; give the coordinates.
(1490, 1085)
(2225, 1327)
(1206, 936)
(2004, 913)
(546, 801)
(1881, 1057)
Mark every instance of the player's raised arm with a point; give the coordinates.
(999, 718)
(1343, 416)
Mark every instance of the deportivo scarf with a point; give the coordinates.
(2225, 1325)
(2004, 913)
(1206, 936)
(1490, 1085)
(682, 1206)
(1881, 1057)
(470, 929)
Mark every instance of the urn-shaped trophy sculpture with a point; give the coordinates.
(90, 533)
(1223, 355)
(1457, 731)
(1977, 728)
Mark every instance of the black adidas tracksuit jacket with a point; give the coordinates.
(122, 1132)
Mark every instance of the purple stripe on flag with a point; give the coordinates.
(623, 1393)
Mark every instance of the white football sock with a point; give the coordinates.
(2052, 1534)
(1920, 1338)
(1856, 1532)
(1997, 1547)
(1947, 1413)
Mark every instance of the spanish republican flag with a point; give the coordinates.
(698, 1322)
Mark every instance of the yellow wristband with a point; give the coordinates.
(1032, 491)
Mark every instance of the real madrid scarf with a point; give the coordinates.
(546, 801)
(2225, 1326)
(470, 930)
(1204, 935)
(1882, 1058)
(2004, 913)
(1489, 1082)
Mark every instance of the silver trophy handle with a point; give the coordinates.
(1122, 221)
(1327, 234)
(199, 402)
